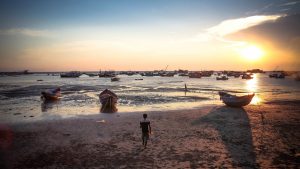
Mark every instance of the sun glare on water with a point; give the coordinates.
(252, 53)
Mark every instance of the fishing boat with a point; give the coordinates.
(107, 74)
(108, 100)
(115, 79)
(53, 94)
(247, 76)
(167, 74)
(73, 74)
(149, 74)
(206, 73)
(222, 78)
(195, 75)
(235, 101)
(279, 75)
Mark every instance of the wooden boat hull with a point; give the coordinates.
(108, 100)
(236, 101)
(48, 96)
(221, 78)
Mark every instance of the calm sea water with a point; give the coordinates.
(20, 95)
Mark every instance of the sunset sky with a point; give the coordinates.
(86, 35)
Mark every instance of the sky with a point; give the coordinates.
(66, 35)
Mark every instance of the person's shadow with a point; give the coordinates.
(234, 128)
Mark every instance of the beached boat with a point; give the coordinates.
(235, 101)
(72, 74)
(115, 79)
(108, 100)
(222, 78)
(51, 94)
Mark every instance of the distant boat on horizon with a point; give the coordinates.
(277, 75)
(107, 74)
(222, 78)
(72, 74)
(115, 79)
(247, 76)
(256, 71)
(195, 75)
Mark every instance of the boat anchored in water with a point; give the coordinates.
(115, 79)
(195, 75)
(107, 74)
(277, 75)
(72, 74)
(235, 101)
(247, 76)
(222, 78)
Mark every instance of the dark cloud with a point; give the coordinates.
(284, 32)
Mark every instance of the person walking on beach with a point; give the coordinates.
(146, 129)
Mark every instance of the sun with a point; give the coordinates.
(252, 52)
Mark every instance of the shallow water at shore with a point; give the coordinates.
(20, 95)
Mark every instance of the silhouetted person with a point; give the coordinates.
(146, 129)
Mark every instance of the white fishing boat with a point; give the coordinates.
(222, 78)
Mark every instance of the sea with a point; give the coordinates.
(20, 96)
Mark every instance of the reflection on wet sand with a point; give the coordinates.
(256, 100)
(49, 104)
(234, 129)
(108, 109)
(252, 87)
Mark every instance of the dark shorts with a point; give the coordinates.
(145, 135)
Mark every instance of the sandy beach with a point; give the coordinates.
(265, 136)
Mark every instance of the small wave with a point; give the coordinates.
(157, 99)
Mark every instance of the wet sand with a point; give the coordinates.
(263, 136)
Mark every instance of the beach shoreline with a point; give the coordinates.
(257, 136)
